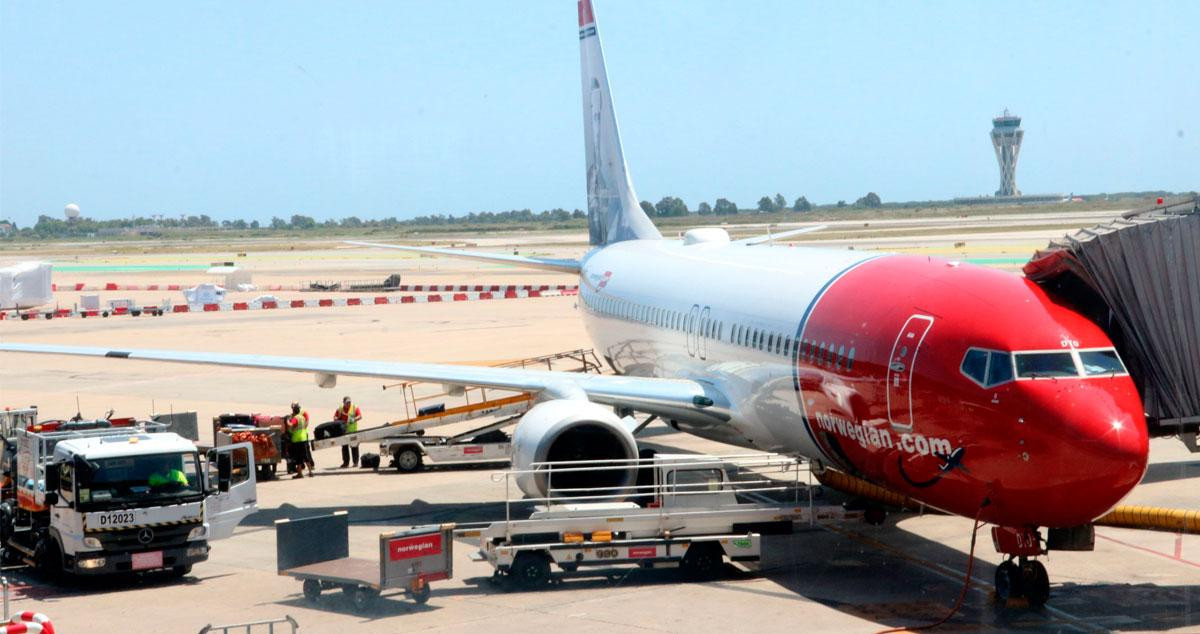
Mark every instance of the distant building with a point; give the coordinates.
(1006, 139)
(6, 227)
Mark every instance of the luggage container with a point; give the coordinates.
(316, 550)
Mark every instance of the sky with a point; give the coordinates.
(331, 109)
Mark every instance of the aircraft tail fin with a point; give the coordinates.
(614, 214)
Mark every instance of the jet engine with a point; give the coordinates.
(569, 430)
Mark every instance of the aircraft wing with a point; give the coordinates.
(665, 397)
(549, 264)
(776, 236)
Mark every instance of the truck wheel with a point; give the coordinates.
(421, 595)
(408, 460)
(312, 590)
(702, 561)
(530, 570)
(49, 560)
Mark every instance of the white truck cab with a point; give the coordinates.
(125, 499)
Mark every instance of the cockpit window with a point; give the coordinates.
(1000, 369)
(1097, 362)
(974, 365)
(988, 368)
(1033, 365)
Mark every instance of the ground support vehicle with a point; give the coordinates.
(405, 440)
(84, 501)
(316, 550)
(488, 444)
(687, 511)
(264, 432)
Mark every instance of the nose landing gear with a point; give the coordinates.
(1020, 576)
(1027, 579)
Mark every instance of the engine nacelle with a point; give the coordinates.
(566, 430)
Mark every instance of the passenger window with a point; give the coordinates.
(1099, 362)
(850, 360)
(770, 342)
(1000, 369)
(821, 354)
(787, 346)
(974, 365)
(841, 355)
(1034, 365)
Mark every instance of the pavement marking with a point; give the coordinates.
(977, 584)
(1176, 557)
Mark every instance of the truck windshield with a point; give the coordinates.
(130, 481)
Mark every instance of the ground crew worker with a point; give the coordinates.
(300, 447)
(166, 475)
(349, 414)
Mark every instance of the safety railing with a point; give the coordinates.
(581, 360)
(249, 628)
(744, 475)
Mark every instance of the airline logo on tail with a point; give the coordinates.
(587, 19)
(613, 211)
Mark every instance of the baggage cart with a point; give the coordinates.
(264, 432)
(316, 550)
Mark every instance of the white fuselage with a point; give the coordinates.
(663, 308)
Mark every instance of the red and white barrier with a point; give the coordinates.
(28, 622)
(377, 300)
(404, 288)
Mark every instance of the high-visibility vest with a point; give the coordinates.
(299, 425)
(174, 476)
(351, 415)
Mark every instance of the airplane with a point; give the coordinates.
(966, 388)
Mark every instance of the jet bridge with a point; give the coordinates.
(1138, 277)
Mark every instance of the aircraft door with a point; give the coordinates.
(693, 330)
(901, 365)
(702, 335)
(232, 494)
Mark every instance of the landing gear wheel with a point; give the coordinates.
(421, 595)
(530, 571)
(702, 561)
(1035, 582)
(312, 590)
(408, 460)
(1008, 582)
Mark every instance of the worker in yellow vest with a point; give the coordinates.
(300, 448)
(349, 414)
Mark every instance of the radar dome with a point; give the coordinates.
(71, 211)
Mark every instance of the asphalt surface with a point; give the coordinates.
(843, 578)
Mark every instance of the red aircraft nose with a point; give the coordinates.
(1087, 448)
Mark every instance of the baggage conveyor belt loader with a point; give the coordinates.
(406, 442)
(687, 511)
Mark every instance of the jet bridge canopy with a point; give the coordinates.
(1139, 278)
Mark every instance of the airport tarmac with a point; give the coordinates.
(852, 578)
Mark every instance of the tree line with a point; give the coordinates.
(670, 206)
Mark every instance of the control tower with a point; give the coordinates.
(1006, 138)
